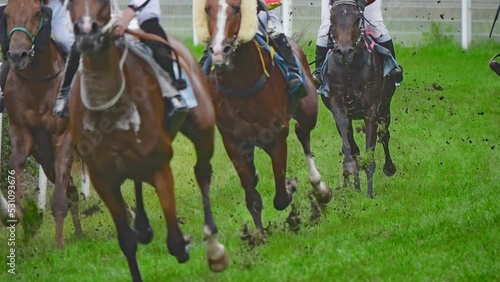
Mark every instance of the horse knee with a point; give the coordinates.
(17, 161)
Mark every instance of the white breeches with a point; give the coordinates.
(61, 25)
(373, 14)
(152, 10)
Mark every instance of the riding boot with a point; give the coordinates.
(72, 63)
(396, 74)
(4, 71)
(161, 52)
(284, 49)
(320, 58)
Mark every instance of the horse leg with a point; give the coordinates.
(177, 244)
(371, 141)
(349, 147)
(203, 140)
(243, 161)
(111, 195)
(385, 135)
(278, 153)
(303, 129)
(64, 158)
(141, 222)
(73, 197)
(21, 145)
(85, 182)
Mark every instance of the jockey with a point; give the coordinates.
(63, 36)
(280, 41)
(373, 15)
(148, 13)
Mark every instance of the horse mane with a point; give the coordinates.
(248, 25)
(4, 38)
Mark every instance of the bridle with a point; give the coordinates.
(31, 52)
(361, 23)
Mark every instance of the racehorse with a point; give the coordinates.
(117, 97)
(358, 90)
(252, 103)
(30, 90)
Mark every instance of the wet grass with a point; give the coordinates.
(436, 219)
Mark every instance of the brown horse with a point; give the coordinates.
(261, 119)
(358, 90)
(30, 92)
(117, 117)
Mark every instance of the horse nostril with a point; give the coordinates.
(95, 27)
(227, 49)
(9, 55)
(210, 50)
(24, 54)
(76, 28)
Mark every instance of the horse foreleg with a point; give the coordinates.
(85, 182)
(371, 141)
(203, 140)
(64, 158)
(141, 222)
(177, 244)
(321, 191)
(242, 157)
(349, 147)
(22, 145)
(111, 195)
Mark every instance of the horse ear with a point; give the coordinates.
(362, 4)
(200, 21)
(249, 20)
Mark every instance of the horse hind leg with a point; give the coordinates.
(385, 135)
(111, 195)
(203, 140)
(321, 191)
(371, 140)
(73, 197)
(141, 222)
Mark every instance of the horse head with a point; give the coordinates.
(89, 19)
(347, 28)
(27, 25)
(224, 25)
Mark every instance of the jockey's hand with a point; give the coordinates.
(122, 23)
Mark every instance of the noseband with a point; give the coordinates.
(361, 23)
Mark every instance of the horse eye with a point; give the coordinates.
(236, 9)
(207, 9)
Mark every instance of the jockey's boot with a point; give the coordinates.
(4, 71)
(72, 63)
(175, 107)
(284, 49)
(320, 57)
(396, 74)
(161, 53)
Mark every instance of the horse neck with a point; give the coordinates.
(101, 75)
(247, 65)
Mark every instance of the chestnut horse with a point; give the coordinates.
(358, 90)
(36, 69)
(117, 99)
(259, 119)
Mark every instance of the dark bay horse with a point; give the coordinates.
(260, 119)
(358, 90)
(36, 69)
(118, 124)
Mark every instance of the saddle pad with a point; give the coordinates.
(164, 79)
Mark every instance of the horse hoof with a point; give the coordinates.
(389, 169)
(145, 236)
(220, 264)
(323, 194)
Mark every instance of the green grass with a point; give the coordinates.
(436, 219)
